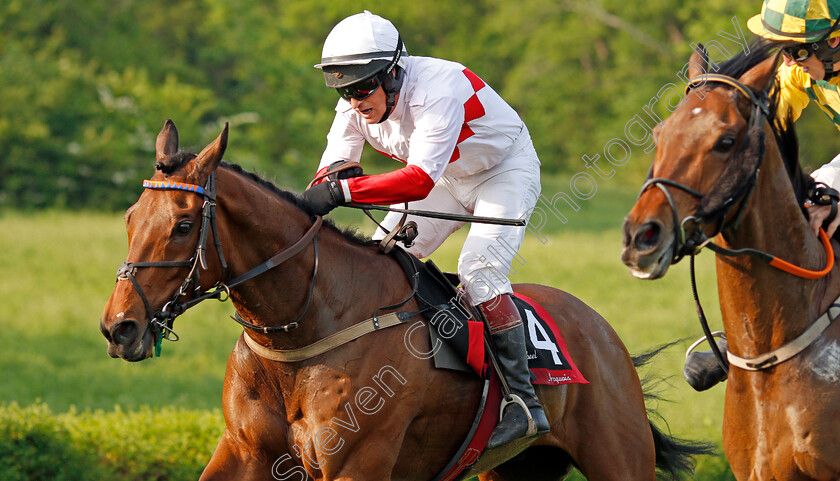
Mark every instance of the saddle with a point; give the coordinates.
(458, 329)
(461, 342)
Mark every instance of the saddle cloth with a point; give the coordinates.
(459, 338)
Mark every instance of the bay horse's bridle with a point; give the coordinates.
(163, 319)
(687, 246)
(693, 245)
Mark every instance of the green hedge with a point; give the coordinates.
(170, 444)
(149, 444)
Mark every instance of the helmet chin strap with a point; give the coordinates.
(391, 83)
(828, 63)
(391, 87)
(833, 54)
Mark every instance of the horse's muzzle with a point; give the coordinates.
(126, 341)
(648, 249)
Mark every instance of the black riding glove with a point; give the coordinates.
(324, 197)
(344, 174)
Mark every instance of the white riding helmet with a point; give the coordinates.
(359, 47)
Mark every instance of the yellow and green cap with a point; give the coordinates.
(796, 20)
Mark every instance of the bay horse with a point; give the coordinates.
(370, 409)
(726, 168)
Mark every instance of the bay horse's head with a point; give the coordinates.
(169, 247)
(707, 161)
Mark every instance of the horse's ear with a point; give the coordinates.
(698, 64)
(167, 144)
(760, 77)
(208, 159)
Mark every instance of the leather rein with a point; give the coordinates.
(693, 245)
(163, 319)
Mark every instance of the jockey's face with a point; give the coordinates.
(813, 66)
(372, 108)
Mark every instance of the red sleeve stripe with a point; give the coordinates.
(477, 83)
(403, 185)
(473, 109)
(320, 172)
(466, 132)
(456, 154)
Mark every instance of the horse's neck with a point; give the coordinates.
(351, 281)
(763, 307)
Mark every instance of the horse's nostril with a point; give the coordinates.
(125, 332)
(647, 236)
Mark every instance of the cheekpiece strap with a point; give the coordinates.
(170, 185)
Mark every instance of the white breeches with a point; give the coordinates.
(509, 190)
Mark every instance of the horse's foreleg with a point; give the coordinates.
(227, 463)
(224, 464)
(230, 462)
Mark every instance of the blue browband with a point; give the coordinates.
(170, 185)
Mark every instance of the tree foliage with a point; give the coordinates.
(87, 84)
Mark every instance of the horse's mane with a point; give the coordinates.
(348, 233)
(760, 50)
(176, 161)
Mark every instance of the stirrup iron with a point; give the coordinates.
(514, 399)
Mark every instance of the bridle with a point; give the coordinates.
(693, 245)
(162, 320)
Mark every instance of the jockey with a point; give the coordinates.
(465, 151)
(808, 34)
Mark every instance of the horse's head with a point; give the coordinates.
(706, 164)
(169, 255)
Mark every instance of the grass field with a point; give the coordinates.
(57, 270)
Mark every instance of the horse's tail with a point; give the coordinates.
(674, 456)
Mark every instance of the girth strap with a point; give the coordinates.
(340, 338)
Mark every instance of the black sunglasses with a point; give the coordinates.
(802, 52)
(360, 90)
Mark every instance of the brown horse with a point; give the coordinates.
(782, 409)
(371, 409)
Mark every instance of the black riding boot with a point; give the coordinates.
(702, 369)
(508, 335)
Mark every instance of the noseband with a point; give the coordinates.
(161, 321)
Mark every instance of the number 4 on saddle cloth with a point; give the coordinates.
(459, 341)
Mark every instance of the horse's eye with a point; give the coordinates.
(725, 144)
(183, 228)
